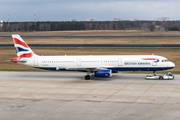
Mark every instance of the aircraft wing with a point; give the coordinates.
(90, 68)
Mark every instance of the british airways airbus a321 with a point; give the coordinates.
(97, 66)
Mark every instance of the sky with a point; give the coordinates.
(100, 10)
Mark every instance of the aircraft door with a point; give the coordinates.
(120, 62)
(78, 62)
(154, 61)
(36, 61)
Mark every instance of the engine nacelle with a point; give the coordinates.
(103, 73)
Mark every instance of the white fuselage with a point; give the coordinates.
(93, 63)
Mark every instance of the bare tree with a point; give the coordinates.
(152, 27)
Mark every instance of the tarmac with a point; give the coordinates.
(67, 96)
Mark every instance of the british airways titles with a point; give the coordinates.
(137, 63)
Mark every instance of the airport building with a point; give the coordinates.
(133, 19)
(116, 19)
(90, 20)
(72, 20)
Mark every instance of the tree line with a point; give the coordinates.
(84, 25)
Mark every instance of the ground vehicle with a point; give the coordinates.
(168, 76)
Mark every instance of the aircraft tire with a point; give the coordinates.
(160, 77)
(87, 77)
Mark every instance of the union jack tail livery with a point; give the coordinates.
(22, 49)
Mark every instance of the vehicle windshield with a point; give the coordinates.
(166, 60)
(169, 74)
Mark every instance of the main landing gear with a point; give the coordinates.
(89, 76)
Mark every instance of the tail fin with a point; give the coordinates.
(22, 49)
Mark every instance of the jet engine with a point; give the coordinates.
(103, 73)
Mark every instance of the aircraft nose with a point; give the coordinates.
(172, 64)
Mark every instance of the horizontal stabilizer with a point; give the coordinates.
(15, 61)
(19, 60)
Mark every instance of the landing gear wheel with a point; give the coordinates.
(87, 77)
(160, 77)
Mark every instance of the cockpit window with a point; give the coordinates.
(165, 60)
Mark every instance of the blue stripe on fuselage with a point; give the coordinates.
(116, 69)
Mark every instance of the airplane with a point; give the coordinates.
(98, 66)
